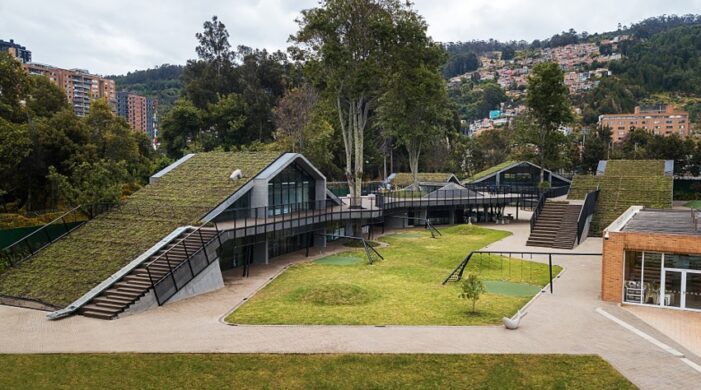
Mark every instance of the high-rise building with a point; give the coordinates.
(80, 86)
(16, 50)
(140, 112)
(658, 119)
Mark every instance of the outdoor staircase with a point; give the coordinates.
(556, 226)
(133, 286)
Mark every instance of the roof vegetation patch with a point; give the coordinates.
(69, 268)
(625, 183)
(405, 178)
(489, 171)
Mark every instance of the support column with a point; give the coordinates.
(320, 238)
(451, 216)
(260, 252)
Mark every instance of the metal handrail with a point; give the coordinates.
(41, 228)
(187, 261)
(14, 247)
(587, 210)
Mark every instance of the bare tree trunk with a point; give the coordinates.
(346, 133)
(414, 150)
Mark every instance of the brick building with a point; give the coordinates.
(653, 257)
(140, 112)
(80, 86)
(658, 119)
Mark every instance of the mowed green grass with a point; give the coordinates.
(403, 289)
(694, 204)
(218, 371)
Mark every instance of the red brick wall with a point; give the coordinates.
(619, 242)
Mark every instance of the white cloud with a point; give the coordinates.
(118, 36)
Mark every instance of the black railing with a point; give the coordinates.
(181, 272)
(340, 188)
(551, 193)
(39, 239)
(585, 214)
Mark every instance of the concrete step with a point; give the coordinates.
(98, 315)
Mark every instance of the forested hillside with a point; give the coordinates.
(162, 81)
(669, 61)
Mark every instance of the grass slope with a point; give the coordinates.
(403, 289)
(69, 268)
(337, 371)
(625, 183)
(694, 204)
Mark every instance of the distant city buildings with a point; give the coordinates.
(140, 112)
(16, 51)
(658, 119)
(80, 86)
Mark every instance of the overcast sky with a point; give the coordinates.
(114, 37)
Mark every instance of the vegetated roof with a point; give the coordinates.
(664, 221)
(489, 171)
(403, 179)
(67, 269)
(625, 183)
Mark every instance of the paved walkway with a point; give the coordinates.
(565, 322)
(684, 327)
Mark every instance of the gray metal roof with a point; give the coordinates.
(665, 221)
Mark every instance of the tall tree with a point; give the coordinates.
(347, 46)
(14, 86)
(180, 126)
(548, 106)
(414, 107)
(292, 115)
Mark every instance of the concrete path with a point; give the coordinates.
(565, 322)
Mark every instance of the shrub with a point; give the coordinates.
(472, 289)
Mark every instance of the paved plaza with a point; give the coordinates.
(566, 322)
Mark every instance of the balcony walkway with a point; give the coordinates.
(262, 220)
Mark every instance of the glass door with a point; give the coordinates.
(672, 294)
(693, 290)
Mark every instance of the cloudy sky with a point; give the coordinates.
(116, 36)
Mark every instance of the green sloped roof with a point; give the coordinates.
(403, 179)
(489, 171)
(69, 268)
(625, 183)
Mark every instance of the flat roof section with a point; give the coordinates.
(665, 221)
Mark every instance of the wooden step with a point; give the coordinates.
(101, 309)
(113, 300)
(98, 315)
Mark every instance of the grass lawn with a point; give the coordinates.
(403, 289)
(694, 204)
(167, 371)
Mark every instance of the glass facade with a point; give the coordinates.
(239, 209)
(662, 279)
(283, 245)
(291, 190)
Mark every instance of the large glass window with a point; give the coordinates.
(291, 190)
(670, 280)
(692, 262)
(633, 283)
